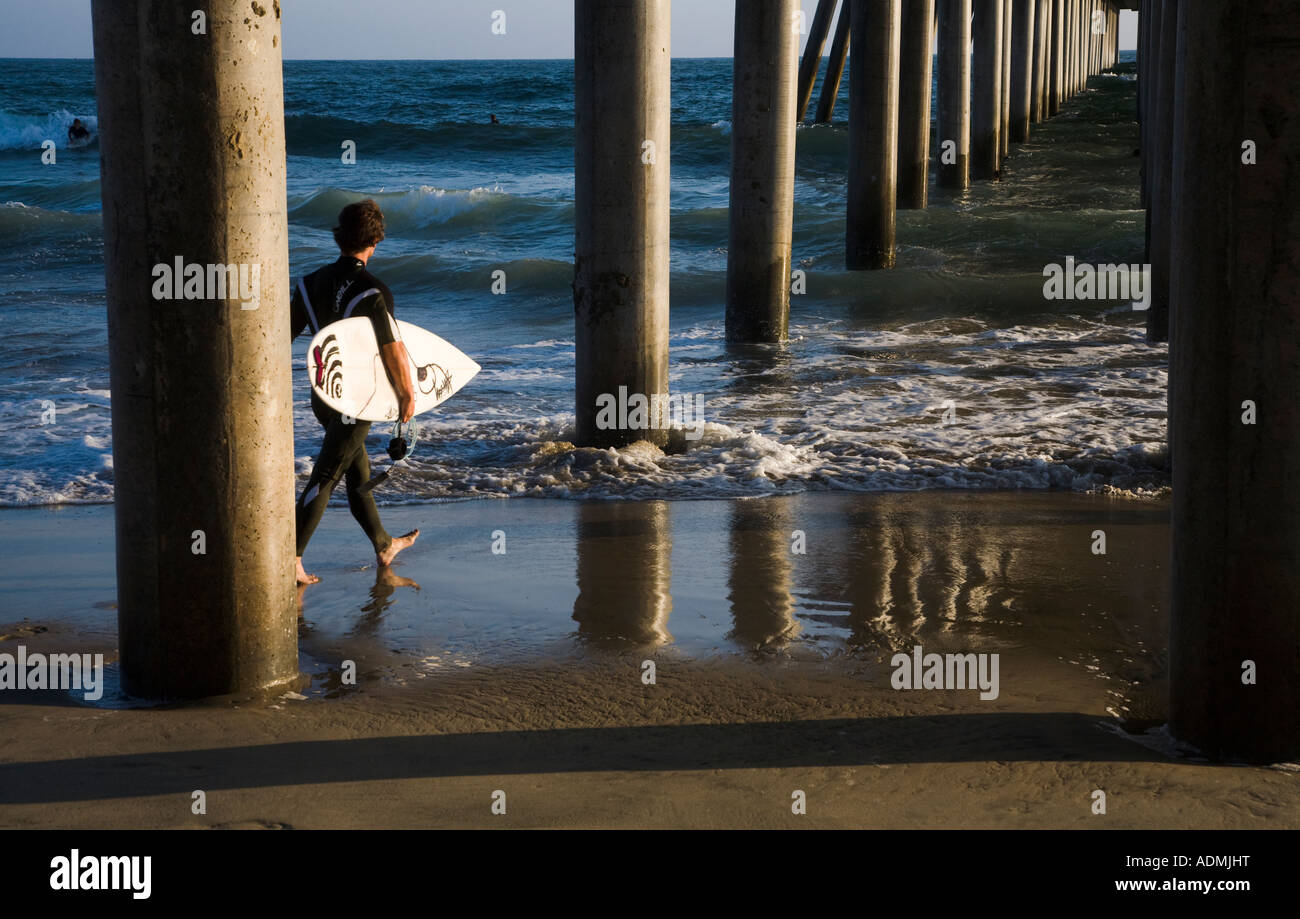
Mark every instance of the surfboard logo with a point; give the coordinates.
(434, 379)
(329, 367)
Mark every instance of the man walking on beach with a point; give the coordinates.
(343, 290)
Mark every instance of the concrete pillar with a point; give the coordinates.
(1022, 68)
(1084, 34)
(915, 79)
(765, 77)
(812, 54)
(1114, 38)
(1075, 20)
(873, 134)
(954, 92)
(1236, 315)
(1161, 168)
(1090, 39)
(1004, 131)
(621, 167)
(1145, 16)
(192, 162)
(1097, 36)
(834, 67)
(1056, 94)
(1038, 93)
(1071, 49)
(986, 86)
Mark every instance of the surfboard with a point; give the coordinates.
(348, 374)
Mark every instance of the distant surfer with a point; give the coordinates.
(77, 131)
(342, 290)
(494, 119)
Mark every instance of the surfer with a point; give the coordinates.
(77, 131)
(342, 290)
(494, 119)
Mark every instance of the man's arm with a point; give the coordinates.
(398, 367)
(393, 352)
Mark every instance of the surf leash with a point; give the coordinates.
(399, 448)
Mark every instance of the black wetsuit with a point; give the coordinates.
(342, 290)
(77, 132)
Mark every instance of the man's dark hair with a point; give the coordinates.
(361, 226)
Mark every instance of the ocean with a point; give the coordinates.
(951, 371)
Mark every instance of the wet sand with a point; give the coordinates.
(523, 672)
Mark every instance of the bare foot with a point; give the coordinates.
(385, 558)
(303, 577)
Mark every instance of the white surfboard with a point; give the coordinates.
(347, 372)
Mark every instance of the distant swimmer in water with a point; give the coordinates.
(77, 131)
(494, 119)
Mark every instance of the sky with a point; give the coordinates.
(394, 29)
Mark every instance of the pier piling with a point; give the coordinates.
(834, 67)
(986, 85)
(1004, 98)
(762, 171)
(1161, 170)
(915, 81)
(192, 161)
(812, 54)
(1234, 654)
(873, 134)
(621, 172)
(954, 92)
(1022, 69)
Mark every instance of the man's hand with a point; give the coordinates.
(398, 367)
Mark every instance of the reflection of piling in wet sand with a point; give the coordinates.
(873, 134)
(762, 171)
(1235, 316)
(621, 186)
(954, 93)
(915, 72)
(193, 166)
(624, 572)
(834, 66)
(759, 586)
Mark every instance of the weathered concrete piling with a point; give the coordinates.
(192, 163)
(1056, 72)
(621, 172)
(954, 93)
(1234, 652)
(1038, 89)
(1022, 69)
(915, 80)
(812, 55)
(1004, 94)
(986, 86)
(873, 134)
(762, 171)
(834, 67)
(1160, 166)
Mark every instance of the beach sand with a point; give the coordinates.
(522, 673)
